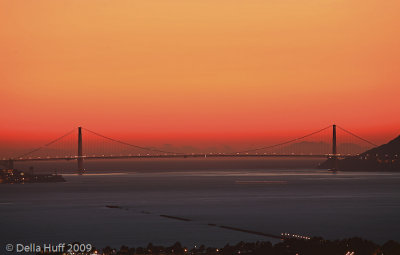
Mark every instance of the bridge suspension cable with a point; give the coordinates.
(283, 143)
(171, 152)
(128, 144)
(350, 133)
(47, 144)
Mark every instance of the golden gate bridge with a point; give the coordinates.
(322, 143)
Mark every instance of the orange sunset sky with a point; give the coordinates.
(188, 72)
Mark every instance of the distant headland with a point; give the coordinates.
(381, 158)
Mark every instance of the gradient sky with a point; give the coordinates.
(187, 71)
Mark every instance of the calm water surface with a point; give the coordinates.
(302, 201)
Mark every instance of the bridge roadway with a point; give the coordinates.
(213, 155)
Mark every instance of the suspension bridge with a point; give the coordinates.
(322, 143)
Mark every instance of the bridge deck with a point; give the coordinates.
(174, 156)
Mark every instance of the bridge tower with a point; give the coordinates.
(11, 164)
(334, 149)
(80, 154)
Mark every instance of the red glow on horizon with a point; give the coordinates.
(198, 73)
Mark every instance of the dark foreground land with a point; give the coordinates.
(314, 246)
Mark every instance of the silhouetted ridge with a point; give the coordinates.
(385, 157)
(391, 148)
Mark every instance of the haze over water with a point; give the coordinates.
(264, 197)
